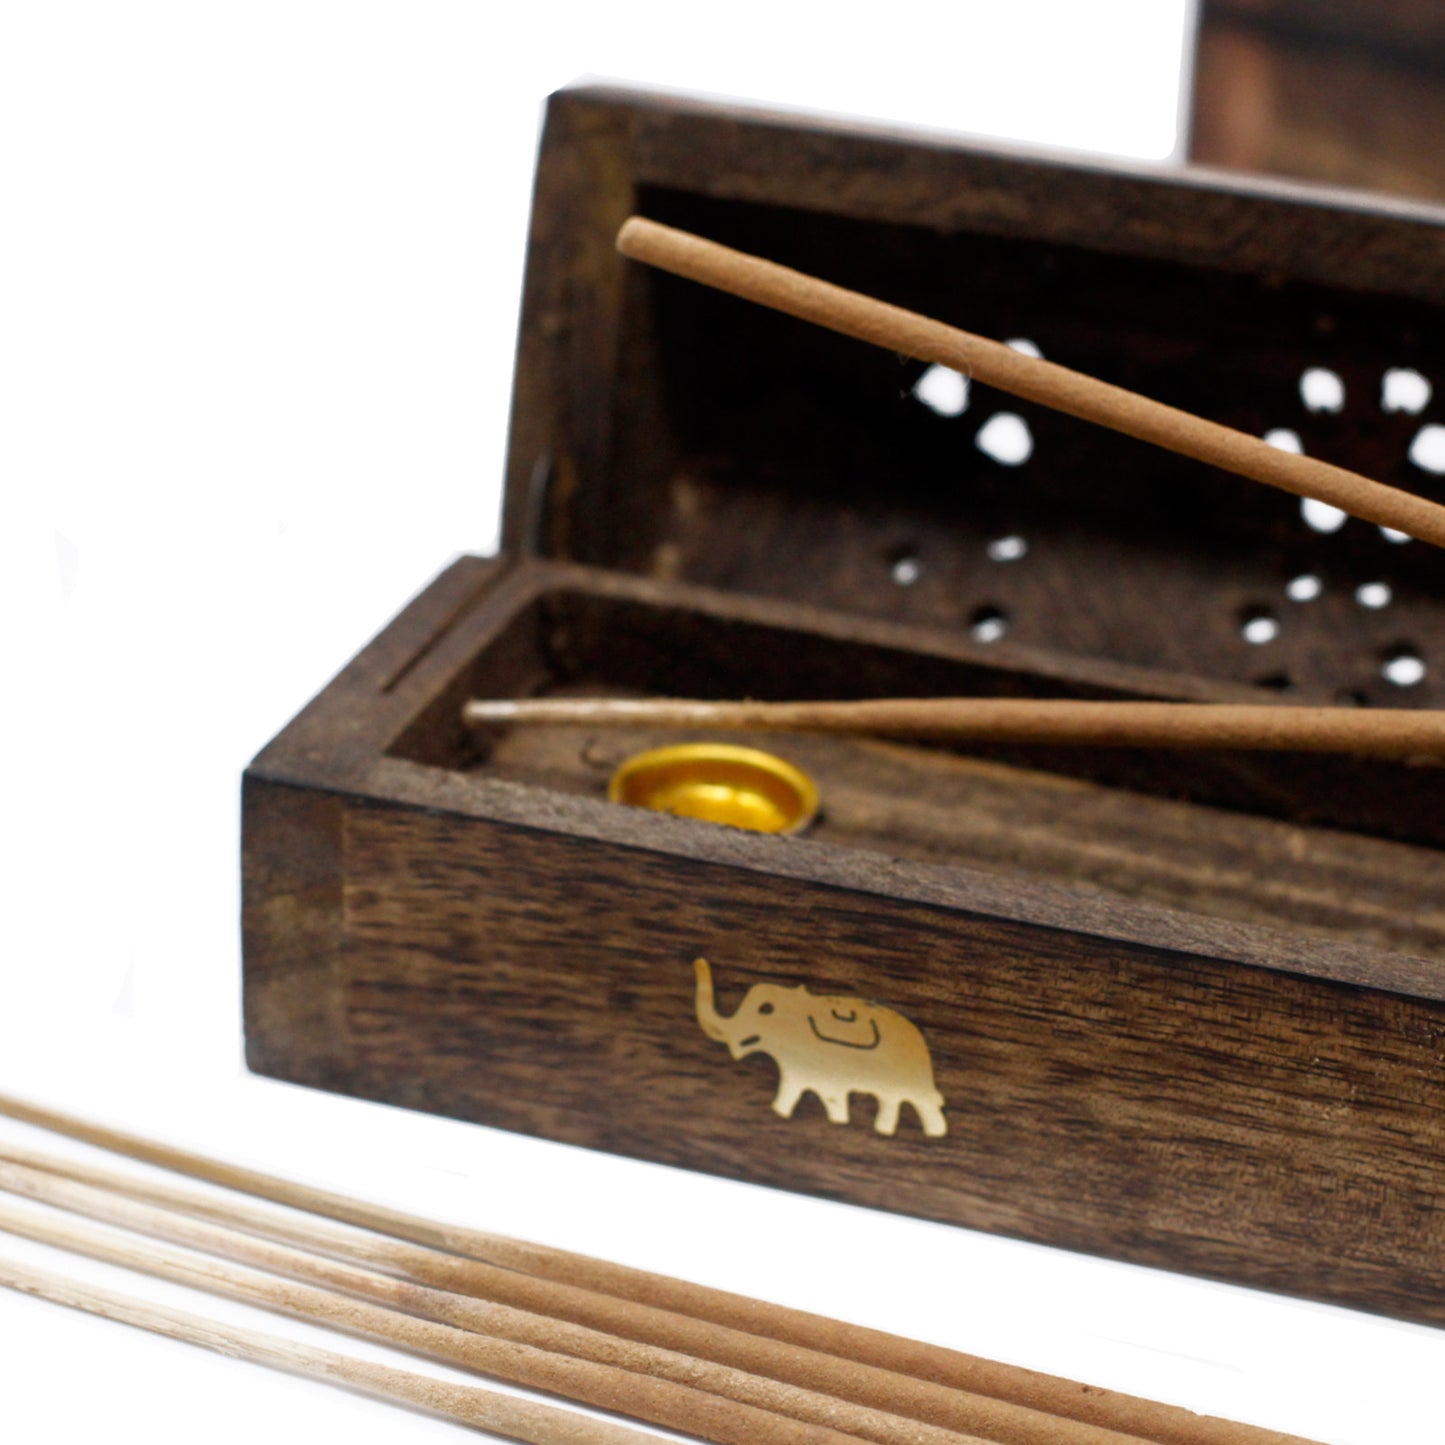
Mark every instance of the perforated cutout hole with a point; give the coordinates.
(1007, 549)
(1258, 625)
(1276, 682)
(1304, 588)
(904, 567)
(1320, 516)
(1403, 389)
(1285, 439)
(1322, 390)
(1403, 666)
(1427, 451)
(1006, 439)
(1392, 536)
(1374, 595)
(1025, 347)
(942, 391)
(988, 623)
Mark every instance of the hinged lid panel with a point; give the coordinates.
(669, 431)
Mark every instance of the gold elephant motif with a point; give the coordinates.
(829, 1045)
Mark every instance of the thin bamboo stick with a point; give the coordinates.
(732, 1315)
(482, 1409)
(502, 1322)
(1378, 732)
(1072, 392)
(658, 1402)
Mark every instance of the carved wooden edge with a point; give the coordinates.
(340, 731)
(292, 930)
(562, 400)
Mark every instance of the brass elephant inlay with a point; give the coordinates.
(831, 1046)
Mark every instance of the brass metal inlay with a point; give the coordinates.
(720, 783)
(831, 1046)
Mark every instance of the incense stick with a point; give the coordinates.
(1005, 1423)
(925, 1366)
(658, 1402)
(472, 1405)
(1376, 732)
(867, 319)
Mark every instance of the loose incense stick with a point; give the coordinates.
(659, 1402)
(242, 1245)
(926, 1367)
(1377, 732)
(483, 1409)
(893, 327)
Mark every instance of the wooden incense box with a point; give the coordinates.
(1180, 1008)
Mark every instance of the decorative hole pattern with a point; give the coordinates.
(1427, 451)
(1322, 390)
(1404, 389)
(1400, 666)
(1258, 625)
(1007, 549)
(988, 623)
(1266, 646)
(1006, 439)
(905, 569)
(1403, 666)
(1320, 516)
(942, 391)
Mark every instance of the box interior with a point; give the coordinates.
(1336, 846)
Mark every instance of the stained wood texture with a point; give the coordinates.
(1185, 1010)
(781, 461)
(1331, 90)
(1101, 1096)
(1173, 1087)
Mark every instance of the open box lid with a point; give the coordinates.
(665, 430)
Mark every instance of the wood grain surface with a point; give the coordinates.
(1100, 1096)
(1185, 1011)
(780, 461)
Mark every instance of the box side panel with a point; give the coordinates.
(292, 933)
(1273, 1130)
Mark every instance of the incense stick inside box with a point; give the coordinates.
(1170, 1004)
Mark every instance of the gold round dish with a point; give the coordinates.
(719, 783)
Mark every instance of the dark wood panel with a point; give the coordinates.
(826, 167)
(682, 435)
(1342, 91)
(1158, 1108)
(292, 933)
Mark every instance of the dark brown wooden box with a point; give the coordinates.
(1184, 1009)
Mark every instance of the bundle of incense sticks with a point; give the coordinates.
(709, 1364)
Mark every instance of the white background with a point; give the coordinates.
(259, 269)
